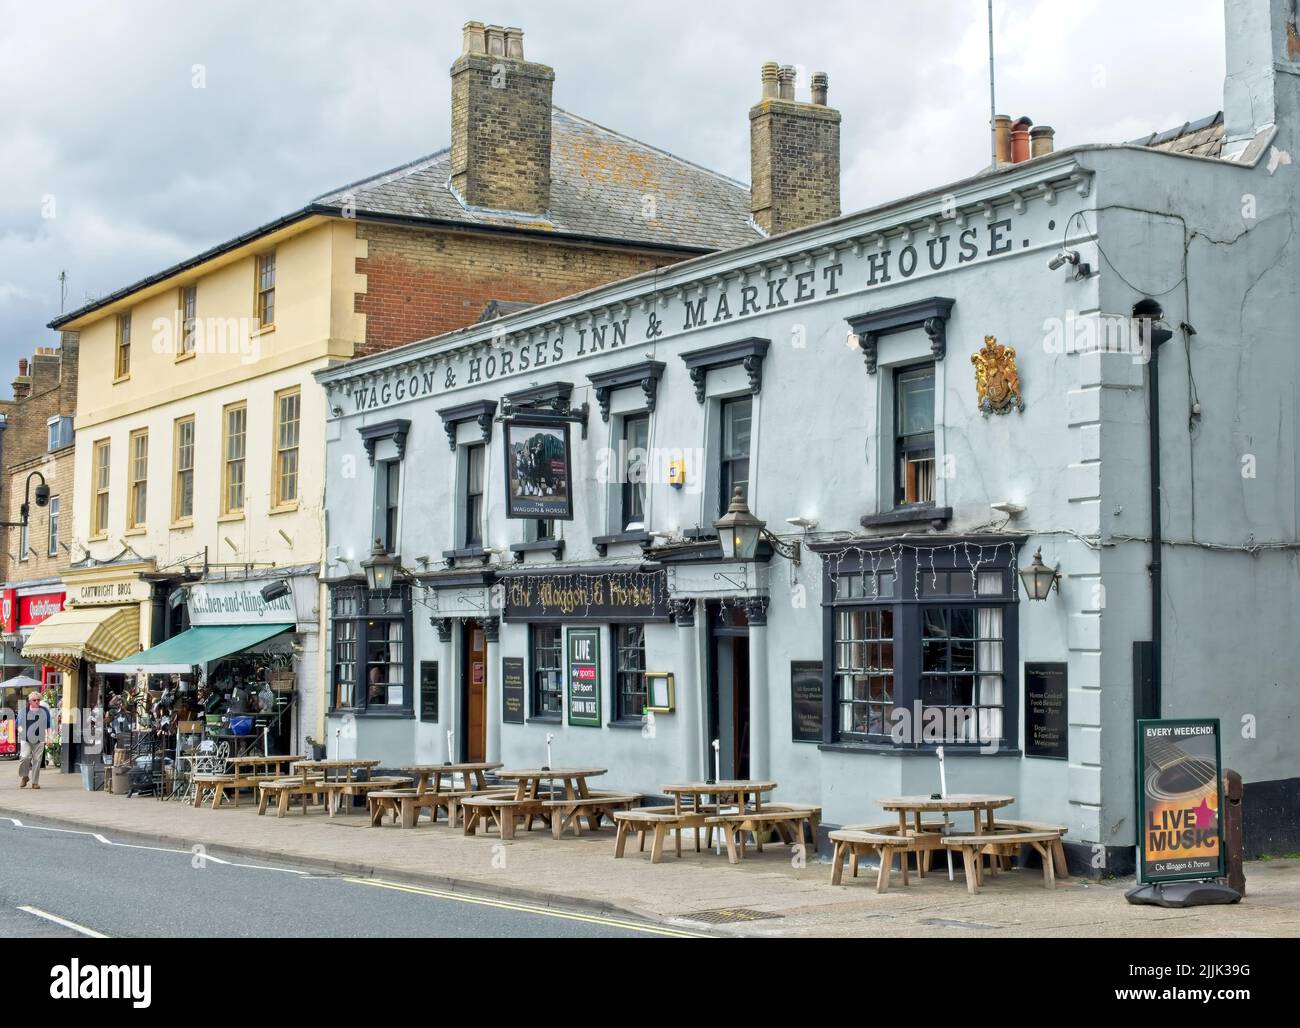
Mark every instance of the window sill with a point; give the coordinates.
(262, 330)
(284, 508)
(912, 514)
(927, 750)
(380, 714)
(553, 546)
(467, 553)
(102, 537)
(546, 719)
(121, 378)
(137, 530)
(638, 725)
(234, 516)
(182, 524)
(186, 356)
(604, 542)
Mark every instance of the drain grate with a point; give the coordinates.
(730, 915)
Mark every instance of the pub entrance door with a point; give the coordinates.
(473, 677)
(728, 693)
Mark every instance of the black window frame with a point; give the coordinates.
(629, 673)
(474, 530)
(387, 502)
(357, 618)
(539, 688)
(629, 490)
(919, 442)
(896, 580)
(727, 464)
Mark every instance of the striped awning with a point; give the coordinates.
(92, 634)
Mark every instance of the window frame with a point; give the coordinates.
(101, 480)
(386, 514)
(52, 530)
(55, 436)
(624, 672)
(361, 623)
(538, 686)
(137, 492)
(474, 531)
(917, 442)
(179, 517)
(122, 349)
(188, 306)
(279, 501)
(227, 462)
(264, 294)
(24, 539)
(628, 489)
(726, 464)
(909, 601)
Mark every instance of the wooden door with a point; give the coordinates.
(475, 675)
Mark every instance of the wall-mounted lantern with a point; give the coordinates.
(1039, 579)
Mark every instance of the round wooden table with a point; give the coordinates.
(956, 803)
(737, 791)
(528, 783)
(344, 769)
(475, 770)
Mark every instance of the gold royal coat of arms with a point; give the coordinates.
(997, 380)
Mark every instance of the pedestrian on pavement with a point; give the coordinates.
(34, 725)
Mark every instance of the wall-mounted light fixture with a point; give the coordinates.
(1039, 579)
(739, 532)
(379, 568)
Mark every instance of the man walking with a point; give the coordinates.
(34, 726)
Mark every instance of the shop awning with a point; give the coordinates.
(84, 633)
(201, 645)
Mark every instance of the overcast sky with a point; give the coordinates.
(114, 165)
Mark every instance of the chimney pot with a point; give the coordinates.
(496, 41)
(1020, 140)
(770, 71)
(785, 78)
(1041, 140)
(22, 366)
(515, 43)
(475, 38)
(820, 83)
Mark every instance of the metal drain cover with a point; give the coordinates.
(730, 915)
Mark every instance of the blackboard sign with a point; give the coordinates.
(429, 691)
(584, 677)
(512, 690)
(1047, 722)
(806, 700)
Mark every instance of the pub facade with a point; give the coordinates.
(811, 508)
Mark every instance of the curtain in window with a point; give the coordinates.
(988, 698)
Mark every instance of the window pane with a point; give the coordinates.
(916, 401)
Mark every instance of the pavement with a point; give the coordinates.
(776, 893)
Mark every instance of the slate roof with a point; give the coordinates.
(1202, 138)
(601, 184)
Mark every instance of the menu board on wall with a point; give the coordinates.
(512, 690)
(1047, 721)
(584, 677)
(429, 690)
(806, 700)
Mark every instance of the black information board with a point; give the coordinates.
(806, 700)
(1047, 720)
(429, 691)
(512, 690)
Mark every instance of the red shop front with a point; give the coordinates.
(20, 612)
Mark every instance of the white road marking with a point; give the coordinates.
(36, 911)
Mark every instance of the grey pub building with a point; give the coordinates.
(871, 484)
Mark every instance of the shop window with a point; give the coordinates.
(547, 647)
(388, 480)
(921, 640)
(914, 435)
(629, 672)
(737, 416)
(635, 446)
(475, 461)
(371, 663)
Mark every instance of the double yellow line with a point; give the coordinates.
(524, 908)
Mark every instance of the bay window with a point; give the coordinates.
(371, 653)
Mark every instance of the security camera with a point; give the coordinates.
(42, 495)
(274, 590)
(1063, 258)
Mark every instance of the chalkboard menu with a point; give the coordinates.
(512, 690)
(806, 700)
(429, 690)
(1047, 722)
(584, 677)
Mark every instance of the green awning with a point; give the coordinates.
(200, 645)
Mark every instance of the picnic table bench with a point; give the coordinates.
(219, 784)
(335, 789)
(501, 809)
(435, 789)
(284, 789)
(733, 824)
(566, 813)
(852, 841)
(973, 848)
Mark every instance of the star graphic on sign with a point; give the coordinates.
(1204, 814)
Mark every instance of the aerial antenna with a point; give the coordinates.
(63, 288)
(993, 107)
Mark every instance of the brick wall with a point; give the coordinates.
(422, 283)
(794, 164)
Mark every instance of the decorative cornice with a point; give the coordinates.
(646, 374)
(443, 625)
(749, 353)
(396, 430)
(553, 396)
(930, 315)
(481, 411)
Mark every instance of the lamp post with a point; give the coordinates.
(1039, 579)
(42, 500)
(739, 532)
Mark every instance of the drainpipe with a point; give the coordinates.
(1148, 312)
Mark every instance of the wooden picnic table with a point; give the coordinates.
(255, 764)
(528, 783)
(473, 770)
(976, 804)
(334, 770)
(735, 791)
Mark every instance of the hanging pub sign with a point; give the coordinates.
(1047, 722)
(606, 596)
(512, 690)
(1179, 799)
(584, 677)
(539, 483)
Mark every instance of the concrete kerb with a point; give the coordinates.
(559, 902)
